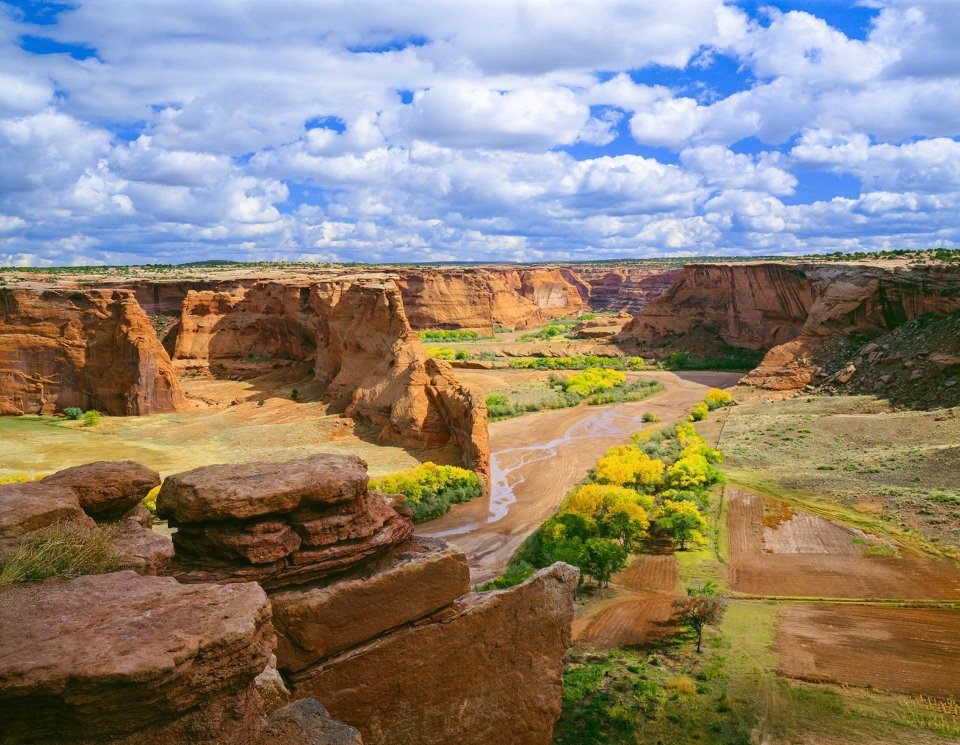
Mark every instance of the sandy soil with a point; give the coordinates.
(216, 432)
(817, 558)
(859, 644)
(650, 573)
(538, 458)
(628, 621)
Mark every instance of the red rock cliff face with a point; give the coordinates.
(790, 309)
(94, 349)
(620, 288)
(365, 354)
(479, 298)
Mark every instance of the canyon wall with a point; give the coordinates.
(365, 357)
(92, 349)
(792, 310)
(483, 297)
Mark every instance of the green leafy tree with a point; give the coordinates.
(625, 529)
(601, 560)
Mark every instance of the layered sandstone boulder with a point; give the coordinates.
(365, 358)
(123, 658)
(104, 494)
(487, 668)
(107, 489)
(92, 349)
(418, 578)
(277, 523)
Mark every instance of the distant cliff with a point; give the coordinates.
(790, 310)
(93, 349)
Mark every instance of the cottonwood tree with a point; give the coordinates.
(601, 559)
(699, 609)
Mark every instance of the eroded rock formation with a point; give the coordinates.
(365, 357)
(620, 288)
(277, 523)
(792, 310)
(487, 668)
(126, 658)
(481, 298)
(93, 349)
(105, 493)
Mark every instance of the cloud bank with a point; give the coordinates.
(169, 131)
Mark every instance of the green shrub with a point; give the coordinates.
(448, 335)
(441, 353)
(430, 490)
(649, 416)
(73, 412)
(515, 574)
(91, 418)
(699, 412)
(61, 550)
(295, 394)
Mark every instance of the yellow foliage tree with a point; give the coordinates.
(626, 465)
(595, 501)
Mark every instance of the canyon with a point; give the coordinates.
(792, 312)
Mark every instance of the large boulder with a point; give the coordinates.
(108, 489)
(125, 658)
(277, 523)
(28, 507)
(486, 669)
(306, 722)
(418, 579)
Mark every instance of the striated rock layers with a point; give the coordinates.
(793, 309)
(377, 625)
(620, 288)
(365, 357)
(481, 298)
(277, 523)
(122, 658)
(93, 349)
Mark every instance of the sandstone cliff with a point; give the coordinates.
(626, 288)
(93, 349)
(480, 298)
(364, 355)
(791, 310)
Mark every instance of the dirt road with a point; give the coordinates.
(537, 458)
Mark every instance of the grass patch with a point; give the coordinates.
(61, 550)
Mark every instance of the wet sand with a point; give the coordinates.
(536, 459)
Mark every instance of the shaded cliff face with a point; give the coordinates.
(791, 310)
(620, 288)
(94, 349)
(365, 355)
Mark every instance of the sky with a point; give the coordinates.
(168, 131)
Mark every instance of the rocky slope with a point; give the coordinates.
(365, 358)
(793, 310)
(92, 349)
(390, 640)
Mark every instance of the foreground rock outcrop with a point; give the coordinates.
(125, 658)
(378, 626)
(487, 668)
(92, 349)
(792, 310)
(277, 523)
(365, 358)
(104, 495)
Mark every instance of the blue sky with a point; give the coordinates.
(504, 130)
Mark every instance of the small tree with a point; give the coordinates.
(601, 559)
(91, 418)
(698, 610)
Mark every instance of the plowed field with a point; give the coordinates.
(637, 619)
(912, 650)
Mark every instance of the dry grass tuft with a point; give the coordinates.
(62, 550)
(681, 684)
